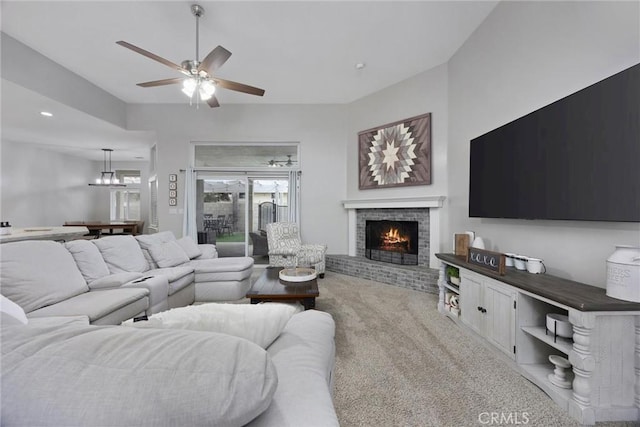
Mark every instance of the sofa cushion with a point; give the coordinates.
(114, 280)
(12, 309)
(189, 247)
(147, 240)
(121, 253)
(95, 304)
(208, 251)
(258, 323)
(172, 273)
(37, 273)
(168, 254)
(88, 259)
(222, 269)
(115, 376)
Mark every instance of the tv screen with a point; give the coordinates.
(575, 159)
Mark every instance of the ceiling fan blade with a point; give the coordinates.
(214, 60)
(238, 87)
(213, 102)
(161, 82)
(153, 56)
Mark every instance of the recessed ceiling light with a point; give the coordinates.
(360, 65)
(46, 113)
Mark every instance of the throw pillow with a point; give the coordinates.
(147, 240)
(12, 309)
(121, 253)
(190, 247)
(88, 258)
(259, 323)
(168, 254)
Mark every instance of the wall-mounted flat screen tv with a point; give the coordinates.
(575, 159)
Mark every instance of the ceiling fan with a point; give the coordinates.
(200, 80)
(280, 163)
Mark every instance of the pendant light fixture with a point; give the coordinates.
(107, 176)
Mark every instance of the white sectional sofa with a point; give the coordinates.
(43, 278)
(134, 275)
(64, 372)
(66, 362)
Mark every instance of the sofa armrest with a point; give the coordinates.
(314, 248)
(113, 280)
(158, 287)
(208, 251)
(284, 251)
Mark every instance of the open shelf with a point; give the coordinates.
(562, 344)
(452, 287)
(538, 374)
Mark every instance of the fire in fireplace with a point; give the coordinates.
(392, 241)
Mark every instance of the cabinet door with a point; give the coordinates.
(500, 318)
(471, 301)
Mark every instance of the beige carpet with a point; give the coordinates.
(401, 363)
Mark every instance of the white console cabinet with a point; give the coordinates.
(509, 311)
(488, 308)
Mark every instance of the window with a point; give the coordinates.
(153, 202)
(125, 202)
(125, 205)
(129, 177)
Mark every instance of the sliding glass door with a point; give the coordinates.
(269, 202)
(221, 213)
(239, 188)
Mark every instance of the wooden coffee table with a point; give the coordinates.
(268, 287)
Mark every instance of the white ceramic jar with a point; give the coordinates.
(623, 273)
(520, 261)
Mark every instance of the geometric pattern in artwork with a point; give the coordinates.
(397, 154)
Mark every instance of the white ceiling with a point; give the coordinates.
(298, 51)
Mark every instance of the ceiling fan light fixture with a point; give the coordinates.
(189, 86)
(206, 89)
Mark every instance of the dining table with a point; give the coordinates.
(97, 227)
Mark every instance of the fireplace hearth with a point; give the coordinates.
(392, 241)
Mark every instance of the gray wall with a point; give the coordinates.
(44, 188)
(320, 129)
(525, 56)
(40, 187)
(424, 93)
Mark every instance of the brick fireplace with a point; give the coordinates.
(425, 211)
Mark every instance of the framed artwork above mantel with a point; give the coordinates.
(397, 154)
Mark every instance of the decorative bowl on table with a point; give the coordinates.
(297, 274)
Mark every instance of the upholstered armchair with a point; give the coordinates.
(286, 249)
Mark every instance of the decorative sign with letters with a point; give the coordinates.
(494, 261)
